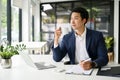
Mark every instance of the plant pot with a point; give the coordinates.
(111, 56)
(6, 63)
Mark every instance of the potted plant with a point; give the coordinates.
(109, 42)
(6, 52)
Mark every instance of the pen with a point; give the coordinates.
(88, 59)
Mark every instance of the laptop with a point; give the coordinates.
(37, 65)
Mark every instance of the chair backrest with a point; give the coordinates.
(49, 45)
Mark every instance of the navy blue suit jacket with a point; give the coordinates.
(95, 47)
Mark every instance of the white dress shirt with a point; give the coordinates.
(80, 51)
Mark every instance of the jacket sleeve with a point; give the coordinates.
(60, 51)
(102, 58)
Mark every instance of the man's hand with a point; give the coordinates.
(86, 65)
(57, 33)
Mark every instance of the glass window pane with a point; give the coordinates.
(3, 19)
(101, 15)
(15, 24)
(48, 21)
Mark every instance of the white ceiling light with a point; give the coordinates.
(46, 7)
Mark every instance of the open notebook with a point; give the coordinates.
(37, 65)
(77, 69)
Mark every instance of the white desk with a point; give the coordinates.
(21, 71)
(41, 47)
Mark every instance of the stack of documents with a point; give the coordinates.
(77, 69)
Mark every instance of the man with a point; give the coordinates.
(81, 44)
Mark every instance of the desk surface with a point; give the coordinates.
(21, 71)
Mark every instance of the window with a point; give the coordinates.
(3, 19)
(15, 24)
(100, 12)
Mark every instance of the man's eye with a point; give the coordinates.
(75, 18)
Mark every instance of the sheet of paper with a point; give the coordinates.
(77, 69)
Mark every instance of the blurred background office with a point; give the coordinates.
(36, 20)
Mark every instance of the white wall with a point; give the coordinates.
(116, 29)
(26, 20)
(0, 19)
(37, 22)
(17, 3)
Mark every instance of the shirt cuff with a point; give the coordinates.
(55, 45)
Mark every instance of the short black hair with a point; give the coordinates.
(83, 12)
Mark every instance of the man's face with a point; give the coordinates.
(76, 21)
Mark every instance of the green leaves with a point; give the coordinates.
(6, 55)
(109, 42)
(20, 47)
(8, 51)
(1, 48)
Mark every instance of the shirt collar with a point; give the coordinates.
(83, 34)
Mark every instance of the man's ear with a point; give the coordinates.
(84, 20)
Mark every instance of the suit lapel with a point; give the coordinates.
(73, 43)
(72, 46)
(88, 38)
